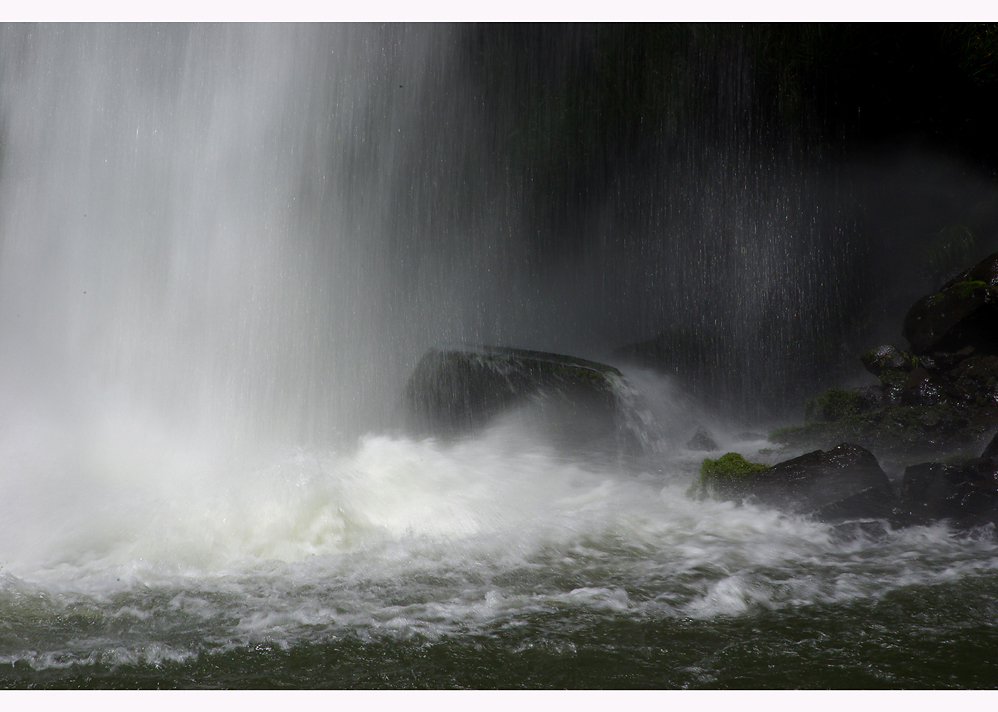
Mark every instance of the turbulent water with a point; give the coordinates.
(222, 250)
(492, 562)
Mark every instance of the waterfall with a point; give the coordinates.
(258, 229)
(204, 222)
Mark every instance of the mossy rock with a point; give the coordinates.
(836, 403)
(966, 289)
(725, 476)
(845, 482)
(887, 358)
(964, 312)
(897, 429)
(458, 390)
(893, 378)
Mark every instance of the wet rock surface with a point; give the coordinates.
(939, 396)
(964, 493)
(459, 390)
(843, 483)
(937, 400)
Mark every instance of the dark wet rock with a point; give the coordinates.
(964, 494)
(991, 450)
(690, 356)
(941, 361)
(921, 389)
(701, 441)
(938, 400)
(886, 358)
(679, 351)
(984, 271)
(899, 430)
(836, 403)
(963, 313)
(874, 397)
(845, 482)
(453, 391)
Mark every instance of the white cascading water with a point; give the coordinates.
(206, 311)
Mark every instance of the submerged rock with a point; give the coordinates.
(683, 352)
(843, 483)
(454, 391)
(690, 356)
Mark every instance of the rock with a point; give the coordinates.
(690, 356)
(455, 391)
(679, 351)
(963, 313)
(921, 389)
(701, 441)
(836, 403)
(991, 451)
(939, 399)
(984, 271)
(898, 430)
(886, 358)
(843, 483)
(941, 361)
(728, 477)
(964, 494)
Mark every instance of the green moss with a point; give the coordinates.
(724, 476)
(730, 464)
(801, 435)
(965, 289)
(833, 404)
(895, 427)
(893, 378)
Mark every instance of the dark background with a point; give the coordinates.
(853, 165)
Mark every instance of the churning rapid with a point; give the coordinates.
(222, 250)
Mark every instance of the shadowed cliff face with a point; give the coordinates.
(781, 190)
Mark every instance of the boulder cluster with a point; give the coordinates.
(938, 395)
(847, 483)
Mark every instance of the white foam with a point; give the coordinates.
(402, 537)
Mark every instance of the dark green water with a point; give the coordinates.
(922, 637)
